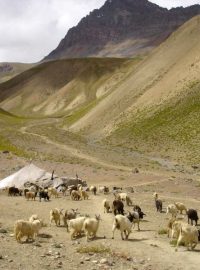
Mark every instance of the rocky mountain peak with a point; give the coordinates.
(122, 28)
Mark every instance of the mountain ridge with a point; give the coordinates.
(121, 29)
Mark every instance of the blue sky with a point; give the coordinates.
(30, 29)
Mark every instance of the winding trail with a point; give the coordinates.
(75, 152)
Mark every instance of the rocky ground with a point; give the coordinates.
(146, 249)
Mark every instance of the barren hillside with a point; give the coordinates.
(162, 94)
(59, 87)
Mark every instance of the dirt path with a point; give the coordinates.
(75, 152)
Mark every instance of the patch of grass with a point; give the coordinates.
(71, 119)
(93, 249)
(5, 144)
(171, 130)
(162, 231)
(173, 242)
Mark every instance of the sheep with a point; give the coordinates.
(116, 188)
(123, 224)
(26, 190)
(30, 195)
(93, 189)
(155, 195)
(13, 191)
(192, 215)
(171, 208)
(24, 228)
(188, 235)
(106, 206)
(176, 227)
(134, 217)
(90, 226)
(68, 216)
(181, 207)
(84, 195)
(33, 217)
(76, 225)
(44, 195)
(55, 215)
(123, 197)
(53, 191)
(137, 208)
(158, 204)
(37, 225)
(75, 195)
(71, 188)
(118, 207)
(103, 189)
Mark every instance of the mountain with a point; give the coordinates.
(59, 87)
(10, 70)
(122, 28)
(156, 108)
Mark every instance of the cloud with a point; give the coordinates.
(30, 29)
(175, 3)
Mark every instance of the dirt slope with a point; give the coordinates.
(158, 80)
(62, 86)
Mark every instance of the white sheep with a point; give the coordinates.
(53, 191)
(33, 217)
(26, 228)
(123, 197)
(75, 195)
(76, 226)
(171, 208)
(188, 235)
(181, 207)
(55, 215)
(155, 195)
(123, 224)
(93, 189)
(106, 206)
(84, 195)
(68, 215)
(176, 228)
(37, 225)
(90, 226)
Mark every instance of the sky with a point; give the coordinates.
(30, 29)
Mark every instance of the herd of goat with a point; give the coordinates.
(77, 224)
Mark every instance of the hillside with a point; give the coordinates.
(10, 70)
(59, 87)
(156, 109)
(122, 28)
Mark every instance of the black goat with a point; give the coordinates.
(192, 215)
(118, 207)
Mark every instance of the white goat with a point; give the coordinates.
(180, 207)
(188, 235)
(26, 228)
(90, 226)
(123, 224)
(106, 206)
(171, 208)
(76, 226)
(55, 215)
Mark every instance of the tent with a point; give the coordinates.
(31, 174)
